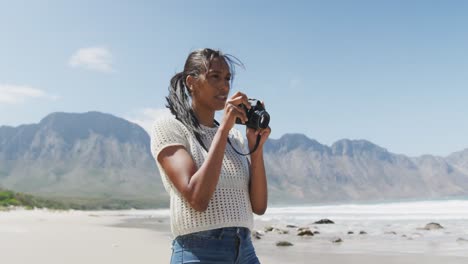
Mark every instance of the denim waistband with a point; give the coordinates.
(236, 230)
(221, 245)
(218, 233)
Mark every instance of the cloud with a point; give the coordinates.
(145, 117)
(15, 94)
(93, 58)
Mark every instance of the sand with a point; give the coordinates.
(57, 237)
(44, 237)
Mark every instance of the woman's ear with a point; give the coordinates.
(190, 81)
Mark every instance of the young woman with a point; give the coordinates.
(213, 190)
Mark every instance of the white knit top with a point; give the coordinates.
(230, 204)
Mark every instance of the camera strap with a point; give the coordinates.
(253, 150)
(238, 152)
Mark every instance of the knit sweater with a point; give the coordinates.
(230, 204)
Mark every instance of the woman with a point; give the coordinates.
(213, 190)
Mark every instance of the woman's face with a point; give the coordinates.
(211, 89)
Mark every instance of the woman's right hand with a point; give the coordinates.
(234, 110)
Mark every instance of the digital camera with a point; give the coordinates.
(257, 116)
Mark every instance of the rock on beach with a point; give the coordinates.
(324, 221)
(433, 226)
(284, 244)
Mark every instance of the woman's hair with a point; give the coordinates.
(178, 101)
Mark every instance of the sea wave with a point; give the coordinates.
(446, 209)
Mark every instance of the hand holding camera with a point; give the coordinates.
(249, 112)
(257, 116)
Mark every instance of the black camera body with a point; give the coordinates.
(257, 116)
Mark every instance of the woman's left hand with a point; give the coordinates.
(252, 135)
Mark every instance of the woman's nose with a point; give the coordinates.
(225, 86)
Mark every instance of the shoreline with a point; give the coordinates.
(51, 236)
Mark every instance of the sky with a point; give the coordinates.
(391, 72)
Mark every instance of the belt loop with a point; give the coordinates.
(221, 234)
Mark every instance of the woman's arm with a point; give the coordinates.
(258, 182)
(198, 185)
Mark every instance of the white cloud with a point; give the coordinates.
(145, 117)
(14, 94)
(93, 58)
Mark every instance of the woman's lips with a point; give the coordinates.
(221, 97)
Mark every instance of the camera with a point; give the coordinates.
(257, 116)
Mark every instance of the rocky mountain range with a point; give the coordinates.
(99, 156)
(357, 170)
(81, 156)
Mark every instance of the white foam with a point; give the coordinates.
(450, 209)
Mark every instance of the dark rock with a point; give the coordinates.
(337, 240)
(350, 232)
(462, 240)
(284, 244)
(305, 233)
(390, 233)
(362, 232)
(324, 221)
(302, 229)
(281, 231)
(256, 234)
(268, 228)
(433, 226)
(291, 226)
(316, 232)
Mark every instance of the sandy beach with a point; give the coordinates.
(77, 237)
(53, 237)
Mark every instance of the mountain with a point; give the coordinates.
(83, 156)
(96, 156)
(302, 170)
(459, 160)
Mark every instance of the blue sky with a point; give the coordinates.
(391, 72)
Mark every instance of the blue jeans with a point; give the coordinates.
(223, 245)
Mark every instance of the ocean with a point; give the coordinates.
(415, 210)
(391, 228)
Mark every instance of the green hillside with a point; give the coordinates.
(9, 198)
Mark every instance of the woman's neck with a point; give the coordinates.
(205, 117)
